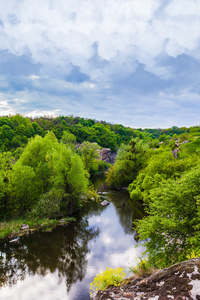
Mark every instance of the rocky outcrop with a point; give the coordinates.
(185, 142)
(175, 153)
(177, 145)
(106, 155)
(178, 282)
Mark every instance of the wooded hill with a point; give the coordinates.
(16, 130)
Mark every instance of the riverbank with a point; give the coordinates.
(18, 227)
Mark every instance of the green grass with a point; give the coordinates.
(143, 268)
(12, 228)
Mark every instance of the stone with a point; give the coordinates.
(62, 221)
(175, 153)
(185, 142)
(24, 227)
(180, 281)
(105, 202)
(14, 240)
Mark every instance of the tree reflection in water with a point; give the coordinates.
(63, 250)
(74, 253)
(127, 210)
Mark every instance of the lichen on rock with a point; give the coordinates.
(178, 282)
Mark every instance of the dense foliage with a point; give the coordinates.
(49, 178)
(165, 176)
(16, 130)
(161, 165)
(172, 225)
(130, 159)
(46, 163)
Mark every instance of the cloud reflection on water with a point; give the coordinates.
(61, 264)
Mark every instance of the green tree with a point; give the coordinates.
(6, 165)
(69, 176)
(69, 139)
(173, 221)
(23, 189)
(47, 169)
(90, 156)
(160, 166)
(31, 175)
(130, 159)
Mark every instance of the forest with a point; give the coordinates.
(46, 167)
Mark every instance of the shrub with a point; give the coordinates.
(193, 254)
(48, 204)
(92, 193)
(108, 277)
(143, 268)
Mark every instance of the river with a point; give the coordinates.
(61, 264)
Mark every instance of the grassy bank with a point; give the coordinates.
(12, 229)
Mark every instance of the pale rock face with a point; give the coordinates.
(180, 281)
(106, 155)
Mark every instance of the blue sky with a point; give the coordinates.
(133, 62)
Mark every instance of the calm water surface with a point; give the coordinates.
(62, 263)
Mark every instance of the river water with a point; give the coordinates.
(61, 264)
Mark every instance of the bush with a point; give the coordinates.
(172, 228)
(143, 268)
(48, 205)
(108, 277)
(92, 193)
(193, 254)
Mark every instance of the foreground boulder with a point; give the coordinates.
(180, 281)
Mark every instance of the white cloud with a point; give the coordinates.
(34, 287)
(41, 113)
(60, 33)
(127, 49)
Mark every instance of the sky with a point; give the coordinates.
(130, 62)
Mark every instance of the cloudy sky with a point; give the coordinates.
(134, 62)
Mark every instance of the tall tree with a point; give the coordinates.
(171, 229)
(130, 159)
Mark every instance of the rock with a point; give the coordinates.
(105, 202)
(106, 155)
(184, 142)
(175, 153)
(14, 240)
(178, 282)
(62, 221)
(24, 227)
